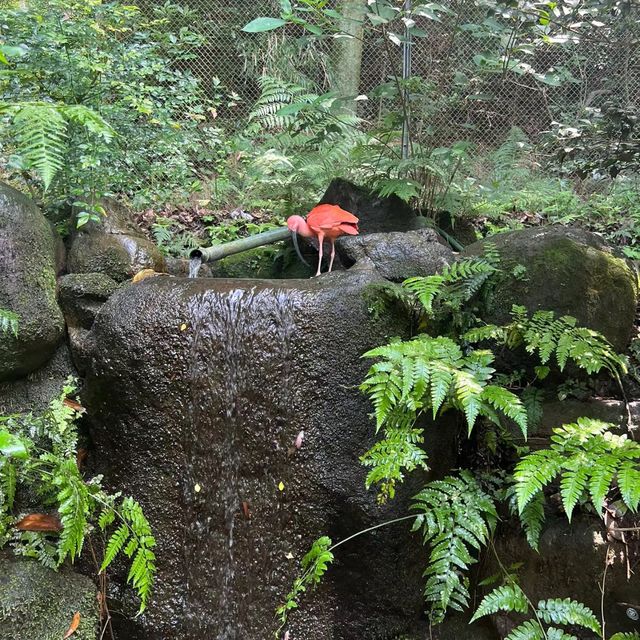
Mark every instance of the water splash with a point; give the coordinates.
(194, 266)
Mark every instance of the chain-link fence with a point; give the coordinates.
(468, 88)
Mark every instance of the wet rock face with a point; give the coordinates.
(39, 604)
(28, 264)
(115, 247)
(198, 390)
(397, 256)
(569, 271)
(377, 214)
(81, 297)
(570, 564)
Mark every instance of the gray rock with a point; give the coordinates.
(396, 255)
(116, 246)
(377, 214)
(82, 295)
(570, 565)
(27, 285)
(197, 391)
(38, 389)
(39, 604)
(569, 271)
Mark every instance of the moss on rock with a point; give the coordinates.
(28, 257)
(569, 271)
(39, 604)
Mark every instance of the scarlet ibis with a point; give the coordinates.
(326, 221)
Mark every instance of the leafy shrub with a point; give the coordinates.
(38, 454)
(88, 63)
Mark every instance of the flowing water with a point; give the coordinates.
(239, 387)
(194, 266)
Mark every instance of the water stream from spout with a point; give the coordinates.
(194, 266)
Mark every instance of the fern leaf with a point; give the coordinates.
(572, 486)
(533, 473)
(508, 597)
(40, 133)
(73, 507)
(532, 519)
(629, 483)
(529, 630)
(602, 476)
(115, 545)
(505, 401)
(568, 612)
(9, 322)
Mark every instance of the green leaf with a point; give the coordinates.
(509, 597)
(260, 25)
(11, 446)
(569, 612)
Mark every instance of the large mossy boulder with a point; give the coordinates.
(37, 603)
(569, 271)
(28, 264)
(114, 246)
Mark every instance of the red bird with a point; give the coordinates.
(326, 221)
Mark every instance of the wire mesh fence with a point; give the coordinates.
(468, 88)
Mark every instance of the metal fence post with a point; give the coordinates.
(406, 74)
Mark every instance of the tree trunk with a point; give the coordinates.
(347, 51)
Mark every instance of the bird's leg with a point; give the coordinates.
(333, 254)
(320, 243)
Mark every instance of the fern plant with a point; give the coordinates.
(542, 625)
(40, 132)
(588, 460)
(9, 322)
(420, 375)
(456, 519)
(40, 453)
(545, 335)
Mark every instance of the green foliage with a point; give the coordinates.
(9, 322)
(427, 375)
(512, 599)
(456, 519)
(39, 454)
(313, 566)
(545, 335)
(87, 64)
(589, 460)
(40, 131)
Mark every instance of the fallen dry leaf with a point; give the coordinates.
(41, 522)
(73, 626)
(142, 275)
(72, 404)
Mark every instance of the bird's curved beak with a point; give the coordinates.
(294, 237)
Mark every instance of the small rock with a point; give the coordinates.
(38, 603)
(116, 246)
(397, 255)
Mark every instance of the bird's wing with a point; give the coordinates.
(330, 216)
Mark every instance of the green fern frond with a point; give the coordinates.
(508, 597)
(9, 322)
(456, 518)
(420, 375)
(73, 507)
(529, 630)
(40, 132)
(568, 612)
(588, 459)
(634, 635)
(545, 335)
